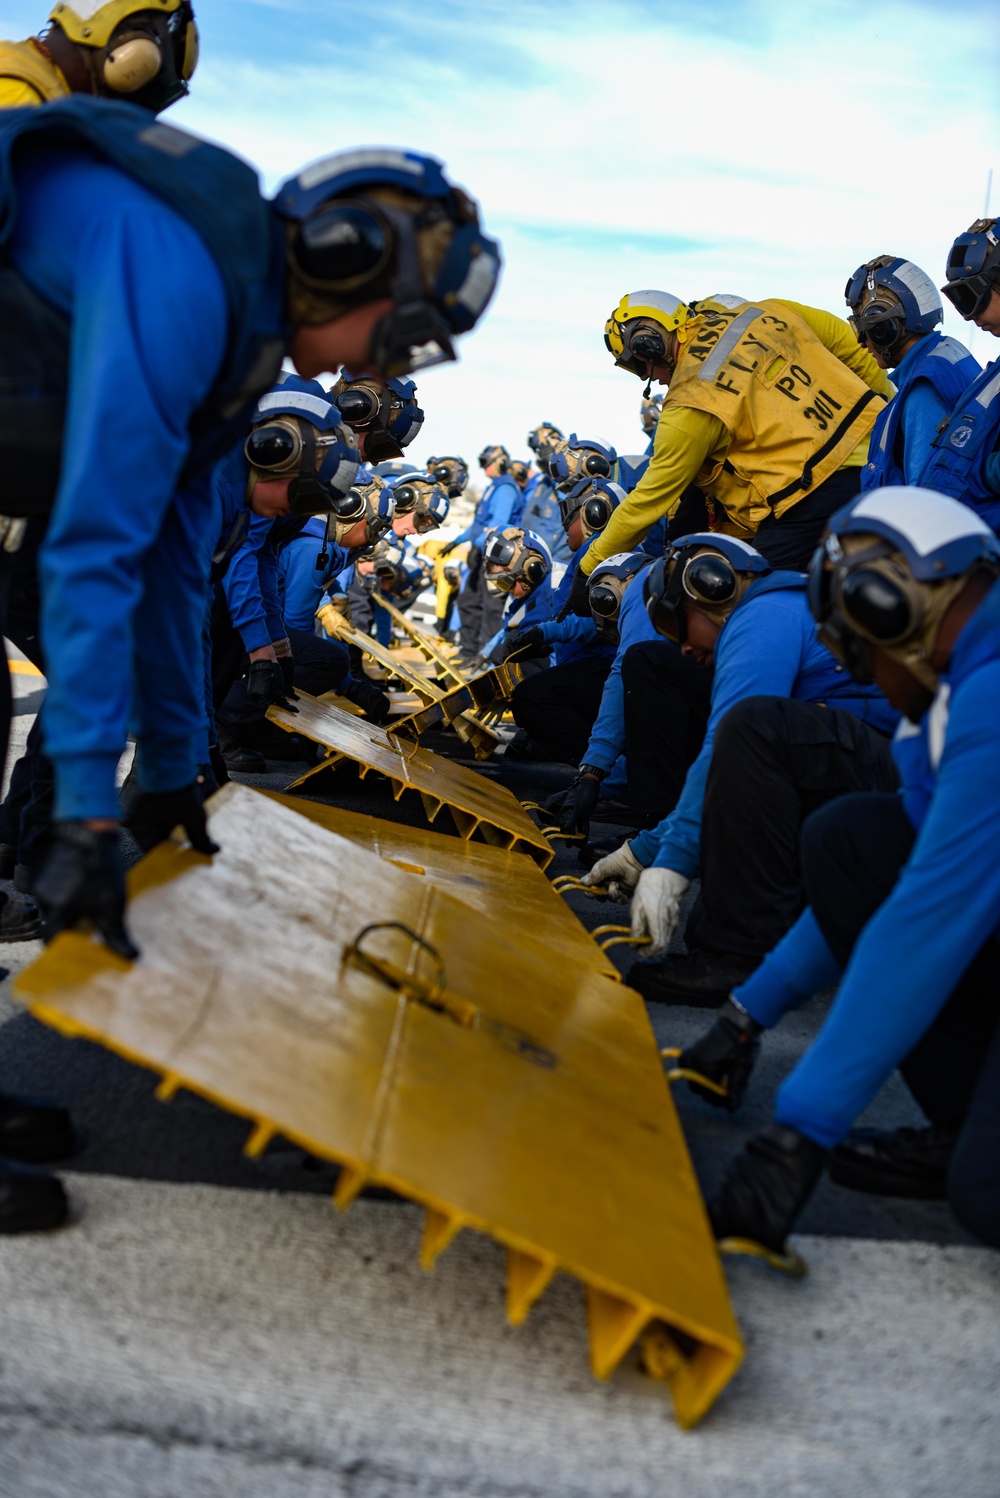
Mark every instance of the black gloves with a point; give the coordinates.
(448, 546)
(373, 702)
(266, 685)
(529, 644)
(766, 1187)
(578, 601)
(152, 817)
(725, 1053)
(82, 879)
(579, 801)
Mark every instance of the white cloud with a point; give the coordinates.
(759, 148)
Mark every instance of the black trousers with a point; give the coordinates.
(667, 698)
(320, 666)
(479, 610)
(773, 762)
(557, 707)
(791, 541)
(852, 855)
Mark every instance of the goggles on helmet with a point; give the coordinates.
(420, 496)
(594, 501)
(451, 473)
(542, 440)
(974, 269)
(576, 461)
(370, 501)
(510, 559)
(321, 466)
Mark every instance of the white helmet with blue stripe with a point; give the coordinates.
(891, 565)
(298, 434)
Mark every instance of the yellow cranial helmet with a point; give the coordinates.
(635, 331)
(145, 47)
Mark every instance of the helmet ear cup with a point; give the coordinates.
(881, 609)
(534, 571)
(131, 65)
(710, 579)
(886, 333)
(596, 514)
(597, 466)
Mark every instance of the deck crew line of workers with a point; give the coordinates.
(795, 587)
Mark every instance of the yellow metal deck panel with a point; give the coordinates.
(505, 1092)
(476, 804)
(501, 884)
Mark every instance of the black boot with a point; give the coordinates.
(766, 1188)
(902, 1162)
(35, 1132)
(704, 980)
(30, 1200)
(19, 919)
(725, 1054)
(242, 761)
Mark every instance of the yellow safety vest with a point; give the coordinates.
(21, 63)
(793, 411)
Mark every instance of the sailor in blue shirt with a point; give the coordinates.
(480, 611)
(786, 719)
(556, 709)
(904, 893)
(895, 308)
(965, 460)
(88, 218)
(541, 505)
(517, 568)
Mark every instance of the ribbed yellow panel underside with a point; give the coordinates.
(502, 1090)
(475, 803)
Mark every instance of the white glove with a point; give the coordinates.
(656, 908)
(620, 871)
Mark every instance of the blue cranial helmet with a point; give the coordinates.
(606, 589)
(384, 413)
(298, 433)
(580, 458)
(594, 500)
(377, 223)
(890, 300)
(704, 571)
(889, 568)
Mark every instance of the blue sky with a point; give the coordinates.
(761, 149)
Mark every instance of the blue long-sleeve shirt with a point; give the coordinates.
(522, 614)
(768, 647)
(125, 563)
(944, 908)
(251, 583)
(300, 584)
(542, 515)
(607, 737)
(496, 505)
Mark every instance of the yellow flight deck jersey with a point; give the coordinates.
(27, 76)
(761, 408)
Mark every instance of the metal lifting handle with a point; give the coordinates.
(409, 985)
(564, 883)
(554, 834)
(396, 740)
(688, 1074)
(789, 1262)
(619, 936)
